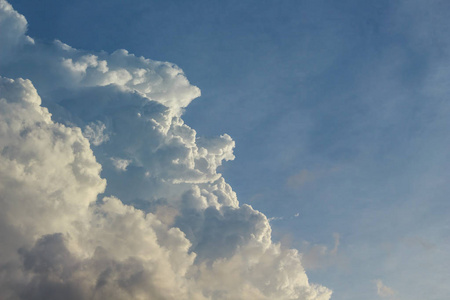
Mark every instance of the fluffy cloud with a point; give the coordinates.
(48, 172)
(12, 31)
(177, 232)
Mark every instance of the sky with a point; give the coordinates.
(234, 150)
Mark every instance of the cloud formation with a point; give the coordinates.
(384, 291)
(177, 232)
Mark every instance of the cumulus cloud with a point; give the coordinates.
(169, 227)
(12, 31)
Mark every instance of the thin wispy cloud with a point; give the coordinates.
(317, 256)
(384, 291)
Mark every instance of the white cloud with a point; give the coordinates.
(120, 164)
(12, 30)
(192, 239)
(48, 171)
(95, 133)
(384, 291)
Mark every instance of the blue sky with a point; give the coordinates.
(339, 111)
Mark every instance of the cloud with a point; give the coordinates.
(167, 226)
(318, 256)
(305, 177)
(301, 178)
(120, 164)
(12, 30)
(48, 171)
(384, 291)
(95, 133)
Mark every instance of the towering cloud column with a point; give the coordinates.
(177, 232)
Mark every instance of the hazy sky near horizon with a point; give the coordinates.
(340, 115)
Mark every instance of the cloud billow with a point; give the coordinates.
(115, 129)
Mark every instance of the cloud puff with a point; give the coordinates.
(384, 291)
(177, 232)
(49, 175)
(95, 133)
(12, 31)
